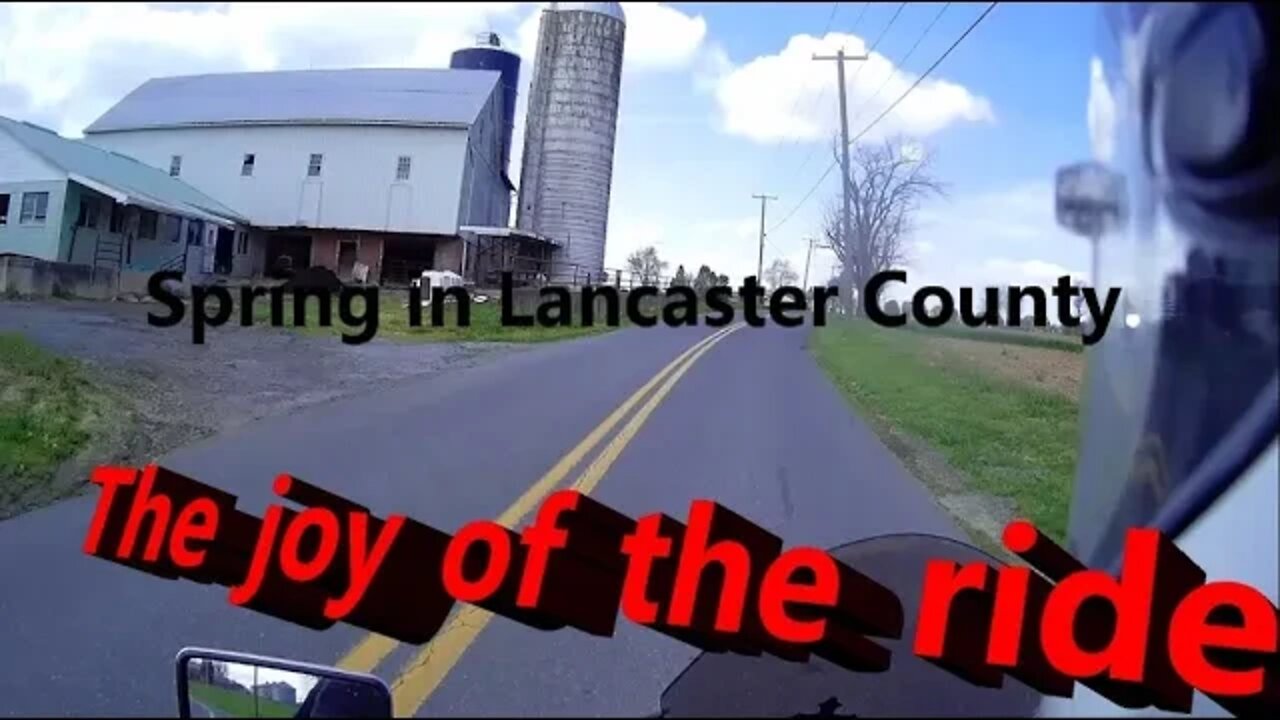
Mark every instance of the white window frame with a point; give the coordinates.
(247, 164)
(30, 218)
(315, 163)
(404, 167)
(175, 166)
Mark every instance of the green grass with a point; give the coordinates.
(1005, 336)
(230, 703)
(393, 323)
(48, 411)
(1006, 440)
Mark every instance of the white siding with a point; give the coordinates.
(20, 165)
(357, 187)
(21, 172)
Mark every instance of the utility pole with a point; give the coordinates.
(846, 223)
(813, 243)
(760, 262)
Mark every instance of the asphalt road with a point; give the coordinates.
(753, 423)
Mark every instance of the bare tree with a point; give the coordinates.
(888, 181)
(646, 266)
(780, 274)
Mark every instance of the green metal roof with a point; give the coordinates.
(113, 173)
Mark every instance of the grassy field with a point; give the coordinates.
(49, 410)
(1004, 336)
(229, 703)
(393, 323)
(1001, 436)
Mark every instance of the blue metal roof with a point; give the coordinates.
(415, 97)
(143, 184)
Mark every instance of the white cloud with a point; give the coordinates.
(659, 37)
(1101, 113)
(789, 96)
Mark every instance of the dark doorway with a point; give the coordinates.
(288, 251)
(347, 252)
(222, 255)
(404, 258)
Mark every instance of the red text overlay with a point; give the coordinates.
(1150, 637)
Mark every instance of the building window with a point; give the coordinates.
(173, 228)
(242, 243)
(313, 167)
(402, 167)
(246, 167)
(35, 205)
(116, 223)
(175, 166)
(4, 209)
(147, 221)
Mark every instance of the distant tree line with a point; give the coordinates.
(647, 268)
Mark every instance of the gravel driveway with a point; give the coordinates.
(180, 391)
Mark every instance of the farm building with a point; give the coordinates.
(334, 167)
(69, 202)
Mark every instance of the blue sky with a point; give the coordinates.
(719, 101)
(1029, 61)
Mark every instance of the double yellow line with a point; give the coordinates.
(436, 659)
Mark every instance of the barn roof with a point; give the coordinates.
(121, 177)
(405, 97)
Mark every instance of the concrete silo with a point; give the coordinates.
(570, 126)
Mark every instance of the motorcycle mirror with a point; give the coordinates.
(1089, 199)
(221, 684)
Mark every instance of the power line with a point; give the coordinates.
(835, 7)
(926, 73)
(876, 44)
(870, 50)
(822, 93)
(888, 110)
(804, 199)
(795, 105)
(894, 70)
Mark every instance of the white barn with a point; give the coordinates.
(331, 167)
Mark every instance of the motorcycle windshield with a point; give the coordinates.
(724, 684)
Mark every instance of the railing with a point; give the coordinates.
(534, 271)
(108, 252)
(177, 262)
